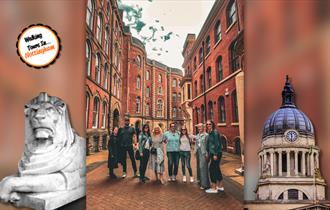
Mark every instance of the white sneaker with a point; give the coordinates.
(169, 179)
(221, 189)
(124, 175)
(191, 179)
(184, 179)
(173, 178)
(211, 191)
(202, 188)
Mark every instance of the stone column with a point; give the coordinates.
(280, 163)
(265, 159)
(296, 162)
(288, 168)
(308, 170)
(303, 168)
(260, 165)
(317, 160)
(312, 163)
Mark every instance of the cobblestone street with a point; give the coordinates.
(104, 193)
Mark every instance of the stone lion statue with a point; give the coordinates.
(53, 159)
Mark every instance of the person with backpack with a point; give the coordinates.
(214, 150)
(185, 154)
(145, 144)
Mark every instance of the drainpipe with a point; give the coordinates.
(204, 82)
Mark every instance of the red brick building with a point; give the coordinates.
(212, 64)
(121, 80)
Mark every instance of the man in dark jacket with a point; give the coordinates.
(128, 139)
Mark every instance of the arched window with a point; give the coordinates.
(108, 9)
(196, 93)
(221, 109)
(201, 83)
(219, 69)
(160, 78)
(234, 58)
(137, 104)
(147, 109)
(200, 55)
(87, 108)
(115, 85)
(88, 58)
(96, 108)
(208, 45)
(148, 92)
(116, 55)
(138, 82)
(99, 28)
(235, 107)
(138, 61)
(105, 77)
(210, 110)
(174, 82)
(173, 98)
(231, 13)
(98, 68)
(203, 117)
(217, 32)
(209, 77)
(292, 194)
(89, 15)
(195, 63)
(160, 92)
(106, 41)
(174, 112)
(147, 75)
(104, 111)
(159, 108)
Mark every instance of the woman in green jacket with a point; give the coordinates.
(214, 149)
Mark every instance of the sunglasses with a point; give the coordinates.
(208, 124)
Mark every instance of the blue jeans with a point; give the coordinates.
(173, 163)
(185, 160)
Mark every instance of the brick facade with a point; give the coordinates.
(211, 63)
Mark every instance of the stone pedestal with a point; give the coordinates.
(51, 200)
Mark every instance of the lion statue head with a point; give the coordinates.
(48, 135)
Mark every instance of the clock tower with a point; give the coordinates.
(289, 158)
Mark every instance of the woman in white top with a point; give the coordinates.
(185, 154)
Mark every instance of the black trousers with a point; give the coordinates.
(214, 169)
(173, 163)
(130, 151)
(143, 163)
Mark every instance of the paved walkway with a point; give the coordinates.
(104, 193)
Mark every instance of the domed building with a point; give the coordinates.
(289, 158)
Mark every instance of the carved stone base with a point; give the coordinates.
(51, 200)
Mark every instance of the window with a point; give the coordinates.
(148, 92)
(105, 77)
(174, 83)
(88, 58)
(209, 77)
(104, 111)
(138, 82)
(231, 13)
(118, 89)
(196, 88)
(116, 55)
(201, 83)
(221, 108)
(138, 61)
(197, 115)
(98, 69)
(115, 85)
(292, 194)
(235, 108)
(219, 69)
(234, 58)
(174, 112)
(179, 97)
(99, 28)
(96, 109)
(203, 117)
(159, 108)
(189, 94)
(195, 63)
(200, 55)
(208, 45)
(217, 32)
(89, 15)
(173, 97)
(106, 41)
(87, 109)
(210, 110)
(160, 78)
(137, 104)
(160, 91)
(147, 107)
(147, 75)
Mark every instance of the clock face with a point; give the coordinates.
(291, 136)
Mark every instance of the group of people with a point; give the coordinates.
(150, 148)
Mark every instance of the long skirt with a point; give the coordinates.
(202, 169)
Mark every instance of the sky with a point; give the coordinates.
(164, 24)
